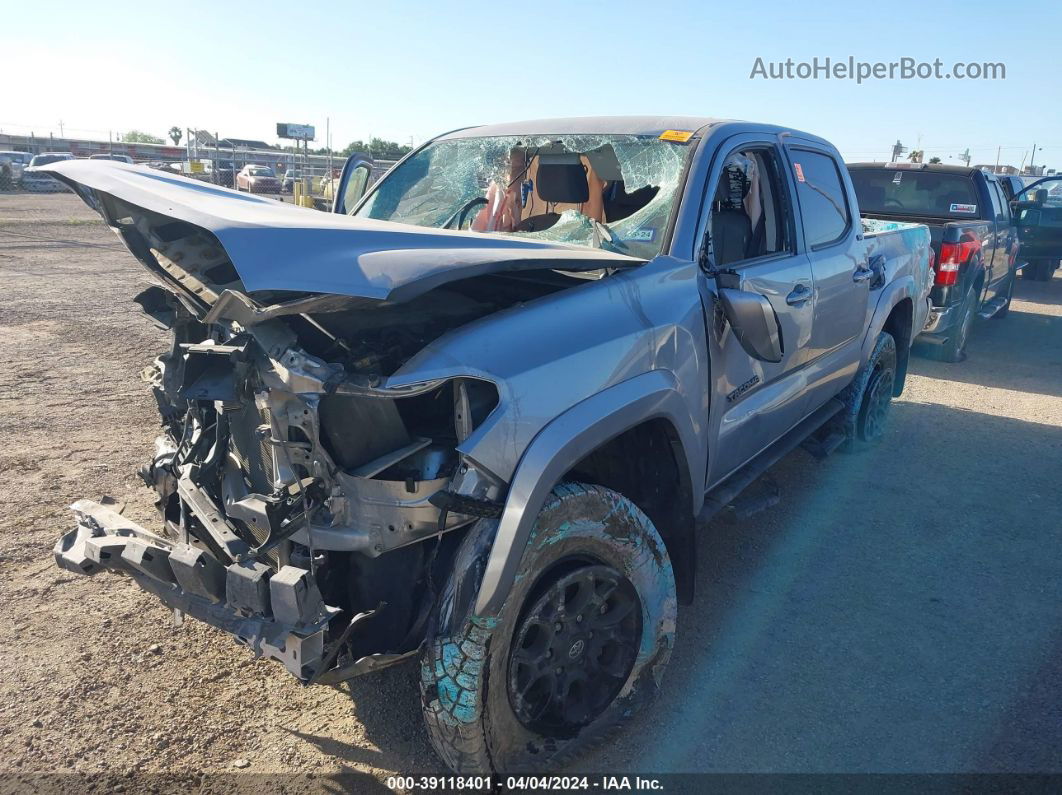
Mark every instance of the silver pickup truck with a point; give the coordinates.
(479, 412)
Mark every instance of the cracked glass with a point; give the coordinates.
(491, 184)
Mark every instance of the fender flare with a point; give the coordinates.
(891, 295)
(564, 442)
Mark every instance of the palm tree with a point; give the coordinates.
(175, 134)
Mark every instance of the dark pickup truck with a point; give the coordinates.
(1037, 211)
(973, 236)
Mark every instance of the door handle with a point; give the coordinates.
(862, 274)
(799, 295)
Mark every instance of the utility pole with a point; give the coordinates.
(897, 150)
(1032, 159)
(998, 150)
(61, 129)
(965, 156)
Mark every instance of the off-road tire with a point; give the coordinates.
(465, 696)
(876, 376)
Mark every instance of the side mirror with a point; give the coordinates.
(352, 183)
(754, 321)
(1036, 199)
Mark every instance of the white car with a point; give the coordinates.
(39, 181)
(112, 156)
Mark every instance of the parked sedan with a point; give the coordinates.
(112, 156)
(257, 179)
(39, 181)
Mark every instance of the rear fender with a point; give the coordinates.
(564, 442)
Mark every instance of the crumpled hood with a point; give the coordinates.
(278, 246)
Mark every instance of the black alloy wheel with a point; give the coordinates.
(573, 650)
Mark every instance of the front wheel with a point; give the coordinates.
(578, 647)
(867, 400)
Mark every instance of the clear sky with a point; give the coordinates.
(413, 69)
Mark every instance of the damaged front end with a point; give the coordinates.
(305, 503)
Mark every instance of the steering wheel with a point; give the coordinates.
(894, 201)
(459, 216)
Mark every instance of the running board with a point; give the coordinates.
(992, 307)
(718, 498)
(823, 445)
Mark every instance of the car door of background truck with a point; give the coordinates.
(997, 260)
(833, 242)
(755, 402)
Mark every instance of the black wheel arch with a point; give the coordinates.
(899, 324)
(647, 465)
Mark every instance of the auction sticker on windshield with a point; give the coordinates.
(963, 208)
(679, 136)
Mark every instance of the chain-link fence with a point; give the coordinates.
(250, 166)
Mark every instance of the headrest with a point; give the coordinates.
(562, 182)
(735, 181)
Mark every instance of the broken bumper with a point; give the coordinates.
(279, 615)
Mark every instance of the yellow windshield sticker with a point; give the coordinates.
(679, 136)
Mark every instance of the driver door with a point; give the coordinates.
(757, 400)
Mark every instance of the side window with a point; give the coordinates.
(823, 203)
(993, 196)
(1002, 206)
(749, 211)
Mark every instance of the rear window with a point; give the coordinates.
(903, 192)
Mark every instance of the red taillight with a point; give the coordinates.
(952, 256)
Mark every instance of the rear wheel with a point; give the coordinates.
(954, 349)
(1038, 270)
(577, 648)
(867, 400)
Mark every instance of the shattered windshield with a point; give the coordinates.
(614, 192)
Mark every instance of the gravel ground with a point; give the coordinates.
(898, 612)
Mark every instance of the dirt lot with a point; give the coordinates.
(899, 611)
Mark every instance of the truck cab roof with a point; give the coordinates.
(940, 168)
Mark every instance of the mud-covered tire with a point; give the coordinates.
(873, 382)
(465, 684)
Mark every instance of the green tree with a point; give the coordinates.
(934, 160)
(138, 137)
(377, 148)
(175, 135)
